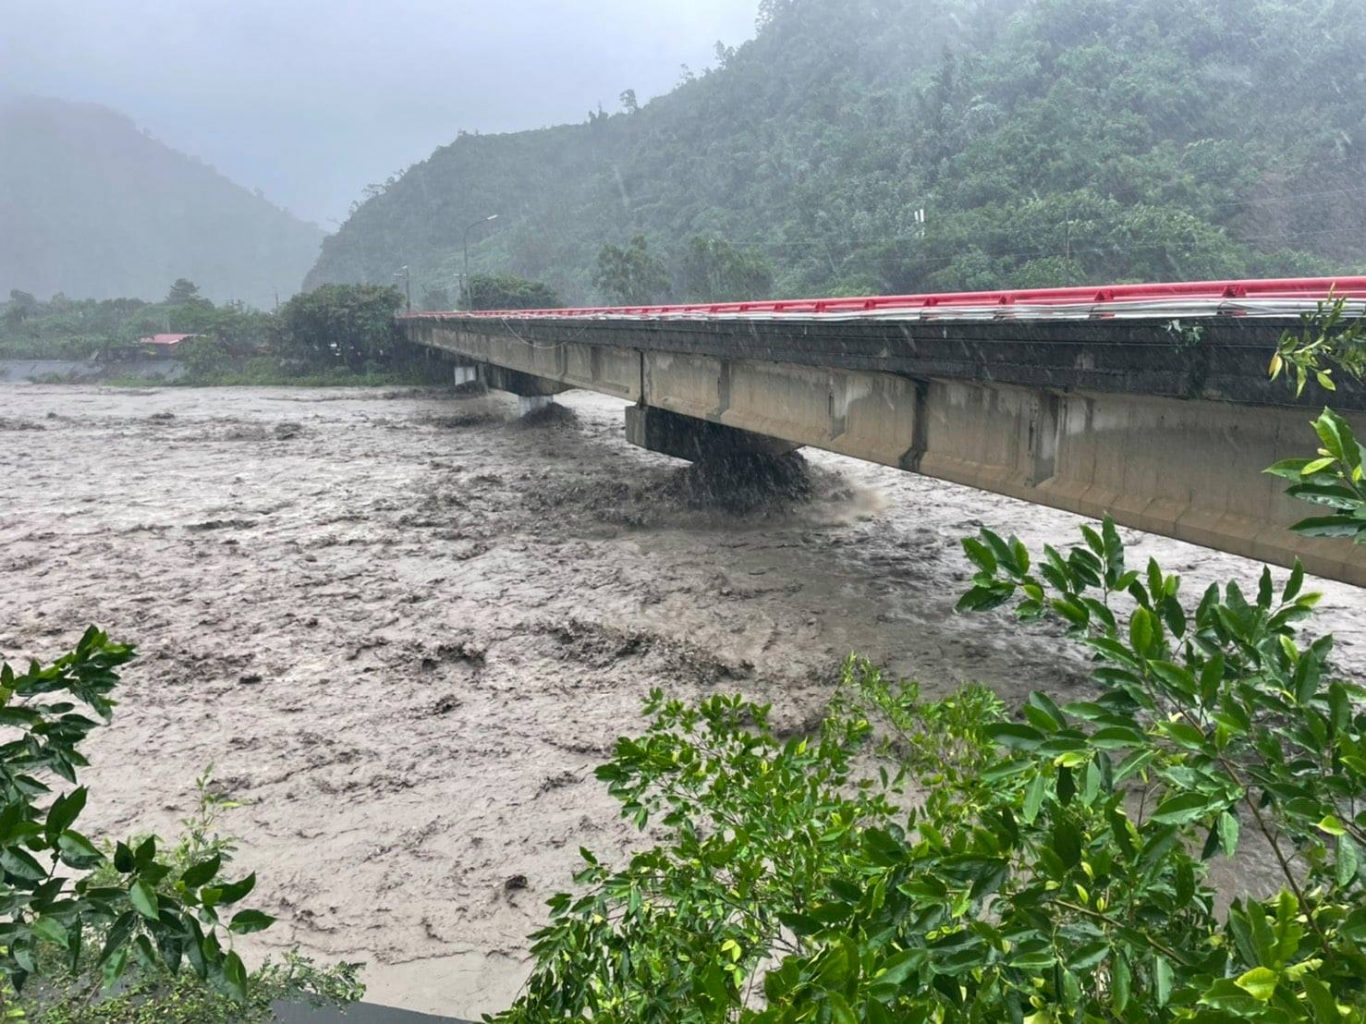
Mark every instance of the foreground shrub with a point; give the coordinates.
(125, 933)
(1055, 866)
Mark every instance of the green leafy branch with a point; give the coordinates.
(58, 891)
(1327, 338)
(1334, 479)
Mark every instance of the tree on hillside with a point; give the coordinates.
(20, 307)
(436, 297)
(507, 291)
(713, 270)
(347, 324)
(631, 276)
(183, 292)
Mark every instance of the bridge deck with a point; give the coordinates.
(1150, 403)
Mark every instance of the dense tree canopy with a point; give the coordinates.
(345, 325)
(631, 275)
(63, 328)
(899, 145)
(507, 291)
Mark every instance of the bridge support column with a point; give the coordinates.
(686, 437)
(523, 385)
(528, 404)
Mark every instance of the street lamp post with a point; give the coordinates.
(407, 284)
(470, 227)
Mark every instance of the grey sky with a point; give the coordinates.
(309, 100)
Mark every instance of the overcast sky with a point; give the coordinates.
(310, 100)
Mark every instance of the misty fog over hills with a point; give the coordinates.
(93, 208)
(866, 146)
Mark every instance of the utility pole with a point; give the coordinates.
(407, 284)
(474, 224)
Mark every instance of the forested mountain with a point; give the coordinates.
(1045, 141)
(93, 208)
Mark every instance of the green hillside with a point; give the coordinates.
(1046, 141)
(93, 208)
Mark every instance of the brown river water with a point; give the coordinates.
(404, 626)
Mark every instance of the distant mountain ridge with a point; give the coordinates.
(884, 146)
(94, 208)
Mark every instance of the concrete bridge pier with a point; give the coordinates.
(533, 393)
(686, 437)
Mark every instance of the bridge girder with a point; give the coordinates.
(1165, 435)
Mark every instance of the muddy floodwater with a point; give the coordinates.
(404, 627)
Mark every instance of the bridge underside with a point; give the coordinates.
(1165, 433)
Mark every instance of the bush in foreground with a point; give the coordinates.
(1055, 867)
(125, 933)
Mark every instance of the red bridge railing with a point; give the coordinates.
(1278, 297)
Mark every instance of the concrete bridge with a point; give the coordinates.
(1149, 403)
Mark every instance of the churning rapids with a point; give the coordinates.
(404, 627)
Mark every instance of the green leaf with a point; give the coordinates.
(1184, 808)
(1177, 678)
(20, 863)
(117, 936)
(1330, 824)
(144, 900)
(235, 975)
(1333, 495)
(1120, 977)
(1034, 961)
(1260, 983)
(1162, 980)
(1318, 466)
(1071, 611)
(1334, 433)
(114, 967)
(840, 1011)
(230, 894)
(1348, 861)
(202, 873)
(52, 931)
(1185, 735)
(1117, 738)
(1329, 526)
(801, 924)
(248, 921)
(78, 851)
(901, 967)
(1288, 469)
(1013, 735)
(64, 812)
(1067, 843)
(1228, 833)
(1142, 631)
(982, 599)
(1034, 799)
(980, 555)
(1295, 583)
(1067, 785)
(1113, 549)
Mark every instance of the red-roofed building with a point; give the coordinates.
(165, 340)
